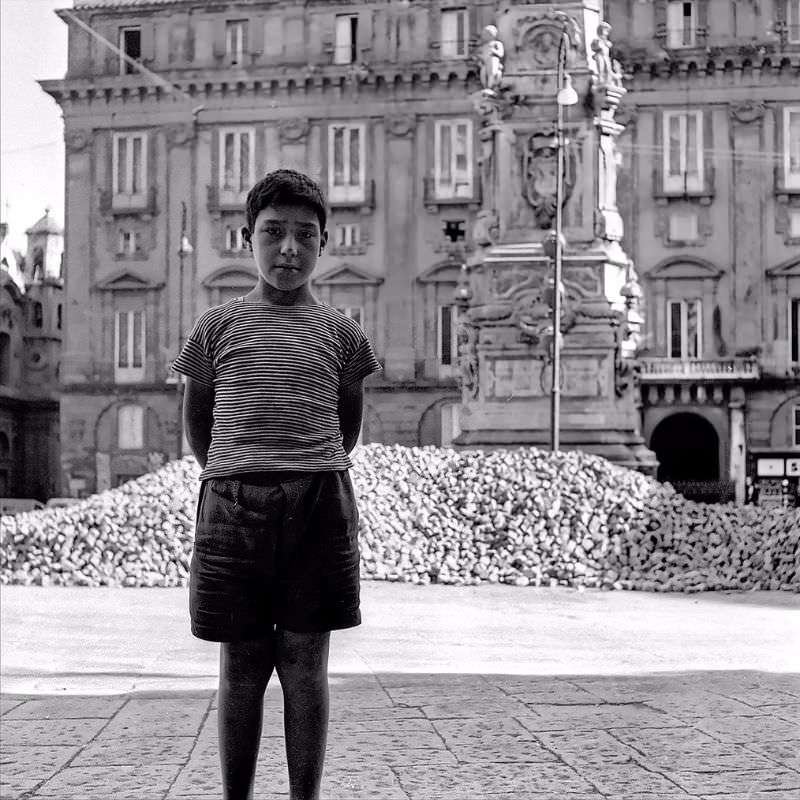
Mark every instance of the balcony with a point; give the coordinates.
(434, 197)
(655, 370)
(141, 204)
(361, 198)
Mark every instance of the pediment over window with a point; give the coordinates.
(787, 269)
(347, 275)
(126, 281)
(231, 278)
(444, 272)
(684, 267)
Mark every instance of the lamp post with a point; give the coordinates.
(554, 243)
(185, 249)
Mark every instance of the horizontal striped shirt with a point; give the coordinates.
(276, 373)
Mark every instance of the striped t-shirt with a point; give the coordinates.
(276, 373)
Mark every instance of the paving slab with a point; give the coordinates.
(442, 694)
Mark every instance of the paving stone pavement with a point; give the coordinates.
(664, 737)
(476, 733)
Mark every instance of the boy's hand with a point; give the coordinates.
(351, 409)
(198, 417)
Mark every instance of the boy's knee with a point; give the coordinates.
(246, 664)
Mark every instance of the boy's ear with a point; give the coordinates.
(323, 240)
(246, 236)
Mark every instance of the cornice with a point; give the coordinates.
(288, 80)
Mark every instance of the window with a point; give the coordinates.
(791, 144)
(794, 328)
(453, 158)
(347, 234)
(130, 427)
(796, 426)
(680, 24)
(234, 239)
(447, 344)
(5, 359)
(59, 316)
(235, 40)
(454, 32)
(683, 226)
(130, 167)
(354, 312)
(346, 45)
(127, 242)
(684, 329)
(793, 21)
(129, 345)
(236, 157)
(453, 230)
(346, 162)
(130, 43)
(683, 151)
(38, 315)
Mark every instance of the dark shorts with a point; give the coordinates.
(274, 549)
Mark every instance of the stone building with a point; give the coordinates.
(709, 190)
(375, 99)
(31, 321)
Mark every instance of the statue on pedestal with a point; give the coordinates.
(608, 70)
(492, 58)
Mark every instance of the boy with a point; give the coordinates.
(272, 408)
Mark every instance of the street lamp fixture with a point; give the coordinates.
(185, 249)
(555, 242)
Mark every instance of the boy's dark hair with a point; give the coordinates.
(289, 187)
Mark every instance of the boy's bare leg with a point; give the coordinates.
(301, 660)
(244, 671)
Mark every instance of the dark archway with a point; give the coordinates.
(687, 447)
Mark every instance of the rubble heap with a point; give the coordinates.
(519, 516)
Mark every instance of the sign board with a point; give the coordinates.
(793, 467)
(770, 467)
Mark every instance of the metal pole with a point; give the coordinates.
(179, 386)
(555, 396)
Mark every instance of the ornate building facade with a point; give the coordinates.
(171, 104)
(31, 322)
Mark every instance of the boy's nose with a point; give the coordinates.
(289, 244)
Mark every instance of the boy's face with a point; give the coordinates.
(286, 243)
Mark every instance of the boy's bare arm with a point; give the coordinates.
(351, 409)
(198, 417)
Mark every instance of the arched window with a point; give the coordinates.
(5, 359)
(38, 315)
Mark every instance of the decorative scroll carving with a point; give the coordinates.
(292, 131)
(539, 171)
(179, 134)
(76, 141)
(538, 37)
(747, 111)
(401, 125)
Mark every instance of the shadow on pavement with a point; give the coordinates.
(430, 736)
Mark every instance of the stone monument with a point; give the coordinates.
(506, 339)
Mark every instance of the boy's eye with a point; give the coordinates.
(305, 235)
(274, 231)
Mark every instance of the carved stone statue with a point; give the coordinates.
(608, 70)
(492, 57)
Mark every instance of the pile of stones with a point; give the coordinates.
(520, 516)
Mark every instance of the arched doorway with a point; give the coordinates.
(687, 448)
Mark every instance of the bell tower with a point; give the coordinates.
(548, 163)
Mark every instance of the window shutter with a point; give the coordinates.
(660, 21)
(112, 59)
(218, 47)
(708, 149)
(701, 29)
(148, 42)
(256, 36)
